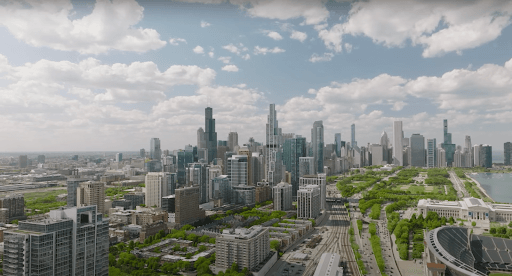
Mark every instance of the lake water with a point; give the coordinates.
(497, 185)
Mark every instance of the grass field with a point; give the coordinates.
(31, 196)
(500, 274)
(43, 202)
(419, 189)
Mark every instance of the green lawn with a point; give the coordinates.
(34, 195)
(43, 201)
(500, 274)
(414, 189)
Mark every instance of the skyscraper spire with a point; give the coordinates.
(210, 135)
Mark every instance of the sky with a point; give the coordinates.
(108, 75)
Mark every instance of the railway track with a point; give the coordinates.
(337, 242)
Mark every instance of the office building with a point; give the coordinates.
(353, 142)
(222, 143)
(337, 142)
(142, 153)
(507, 153)
(477, 155)
(169, 203)
(417, 151)
(293, 150)
(273, 164)
(398, 133)
(306, 166)
(135, 199)
(441, 158)
(245, 151)
(41, 159)
(282, 196)
(448, 147)
(317, 141)
(154, 149)
(187, 206)
(72, 186)
(320, 180)
(23, 161)
(486, 155)
(237, 170)
(212, 172)
(91, 193)
(329, 265)
(377, 154)
(431, 153)
(201, 142)
(196, 176)
(263, 192)
(308, 202)
(12, 207)
(210, 134)
(245, 247)
(153, 166)
(73, 241)
(384, 142)
(221, 188)
(119, 157)
(232, 141)
(243, 194)
(157, 185)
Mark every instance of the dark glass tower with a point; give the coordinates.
(293, 149)
(209, 134)
(448, 147)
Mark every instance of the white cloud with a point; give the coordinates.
(441, 27)
(230, 68)
(317, 58)
(205, 24)
(348, 47)
(263, 50)
(313, 11)
(332, 38)
(238, 50)
(211, 54)
(246, 57)
(176, 41)
(198, 50)
(300, 36)
(274, 35)
(225, 60)
(108, 27)
(399, 105)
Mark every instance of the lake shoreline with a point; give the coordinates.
(496, 184)
(481, 188)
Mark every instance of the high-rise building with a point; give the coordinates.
(72, 187)
(431, 153)
(317, 140)
(353, 142)
(91, 193)
(486, 156)
(468, 153)
(398, 133)
(293, 150)
(154, 149)
(41, 159)
(243, 194)
(169, 203)
(507, 153)
(201, 142)
(232, 141)
(187, 206)
(15, 208)
(377, 154)
(73, 241)
(441, 158)
(23, 161)
(237, 170)
(211, 173)
(337, 142)
(384, 142)
(210, 134)
(282, 194)
(142, 153)
(273, 164)
(320, 180)
(119, 157)
(245, 247)
(196, 175)
(448, 147)
(221, 188)
(417, 150)
(157, 184)
(477, 154)
(245, 151)
(306, 166)
(308, 202)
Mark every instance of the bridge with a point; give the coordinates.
(341, 200)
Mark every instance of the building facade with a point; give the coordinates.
(282, 196)
(417, 151)
(308, 202)
(210, 135)
(91, 193)
(321, 181)
(398, 143)
(507, 154)
(155, 152)
(317, 141)
(187, 206)
(156, 188)
(467, 209)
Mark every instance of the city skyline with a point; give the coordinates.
(114, 87)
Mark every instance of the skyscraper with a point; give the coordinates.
(431, 153)
(508, 153)
(337, 142)
(417, 150)
(154, 149)
(91, 193)
(384, 142)
(448, 147)
(40, 159)
(293, 150)
(237, 170)
(317, 140)
(353, 142)
(157, 185)
(273, 162)
(119, 157)
(210, 135)
(201, 142)
(397, 144)
(232, 140)
(73, 241)
(142, 153)
(23, 161)
(487, 156)
(477, 155)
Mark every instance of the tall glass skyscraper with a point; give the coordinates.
(293, 149)
(337, 141)
(317, 140)
(508, 153)
(398, 155)
(431, 153)
(487, 156)
(154, 149)
(210, 135)
(274, 161)
(448, 147)
(353, 142)
(417, 150)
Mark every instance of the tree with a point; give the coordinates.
(492, 231)
(14, 222)
(275, 245)
(510, 224)
(473, 223)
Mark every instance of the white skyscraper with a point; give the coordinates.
(156, 188)
(232, 141)
(384, 142)
(397, 143)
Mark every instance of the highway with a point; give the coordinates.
(337, 241)
(458, 185)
